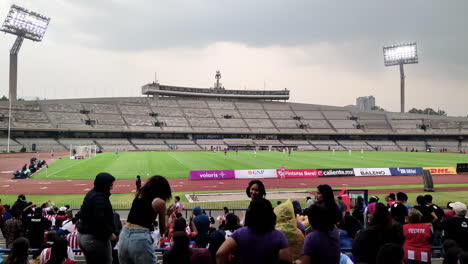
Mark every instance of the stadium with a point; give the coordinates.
(211, 142)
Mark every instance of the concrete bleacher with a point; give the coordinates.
(167, 111)
(231, 123)
(135, 109)
(259, 123)
(309, 114)
(107, 119)
(220, 113)
(451, 146)
(100, 108)
(410, 144)
(258, 113)
(355, 144)
(286, 123)
(384, 145)
(42, 144)
(202, 122)
(14, 146)
(133, 120)
(220, 105)
(197, 112)
(280, 114)
(239, 141)
(266, 142)
(340, 115)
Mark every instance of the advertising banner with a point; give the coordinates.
(297, 173)
(211, 175)
(405, 171)
(335, 172)
(372, 172)
(255, 174)
(441, 170)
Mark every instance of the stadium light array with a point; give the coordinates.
(24, 24)
(399, 55)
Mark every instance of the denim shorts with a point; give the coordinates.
(136, 246)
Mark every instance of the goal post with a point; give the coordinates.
(82, 151)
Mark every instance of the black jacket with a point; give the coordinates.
(96, 214)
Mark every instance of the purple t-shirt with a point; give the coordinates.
(323, 247)
(257, 248)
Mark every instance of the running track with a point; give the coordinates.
(10, 162)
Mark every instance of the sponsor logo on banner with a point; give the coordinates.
(297, 173)
(372, 172)
(335, 172)
(405, 171)
(255, 174)
(211, 175)
(441, 170)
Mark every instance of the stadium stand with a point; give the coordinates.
(174, 117)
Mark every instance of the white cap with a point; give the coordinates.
(63, 208)
(459, 208)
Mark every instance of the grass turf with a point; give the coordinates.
(178, 164)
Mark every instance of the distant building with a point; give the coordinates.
(365, 102)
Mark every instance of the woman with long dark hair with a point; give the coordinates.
(257, 242)
(19, 252)
(322, 245)
(135, 244)
(181, 253)
(59, 253)
(382, 229)
(326, 198)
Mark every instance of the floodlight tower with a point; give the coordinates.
(398, 55)
(24, 24)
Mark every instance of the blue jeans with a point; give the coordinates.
(95, 250)
(136, 246)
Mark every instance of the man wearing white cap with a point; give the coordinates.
(456, 228)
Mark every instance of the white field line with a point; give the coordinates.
(48, 175)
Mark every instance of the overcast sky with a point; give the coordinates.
(326, 52)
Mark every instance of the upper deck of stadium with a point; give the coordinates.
(205, 115)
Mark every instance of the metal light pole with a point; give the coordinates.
(399, 55)
(24, 24)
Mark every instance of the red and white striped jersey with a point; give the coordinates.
(72, 239)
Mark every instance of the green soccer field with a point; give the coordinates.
(178, 164)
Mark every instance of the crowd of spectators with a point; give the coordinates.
(387, 232)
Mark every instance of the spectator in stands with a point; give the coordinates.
(358, 211)
(255, 190)
(322, 245)
(5, 216)
(59, 253)
(135, 244)
(96, 222)
(390, 199)
(13, 229)
(19, 252)
(37, 226)
(69, 223)
(403, 199)
(390, 253)
(179, 207)
(287, 224)
(456, 228)
(20, 203)
(309, 201)
(326, 198)
(399, 213)
(180, 251)
(439, 212)
(257, 242)
(202, 222)
(381, 230)
(428, 214)
(348, 229)
(417, 244)
(449, 213)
